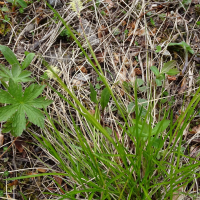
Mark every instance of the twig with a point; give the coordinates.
(9, 147)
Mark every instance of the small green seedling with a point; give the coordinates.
(152, 21)
(20, 105)
(158, 49)
(22, 3)
(186, 49)
(105, 97)
(167, 69)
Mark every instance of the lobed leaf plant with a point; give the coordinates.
(21, 106)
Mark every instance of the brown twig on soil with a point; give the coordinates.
(9, 147)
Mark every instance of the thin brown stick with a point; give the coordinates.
(8, 147)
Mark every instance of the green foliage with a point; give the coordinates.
(22, 3)
(152, 21)
(16, 74)
(19, 104)
(198, 23)
(167, 69)
(65, 32)
(158, 49)
(186, 2)
(93, 94)
(184, 45)
(105, 97)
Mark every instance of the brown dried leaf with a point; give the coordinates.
(100, 57)
(15, 182)
(19, 145)
(132, 75)
(31, 173)
(110, 3)
(123, 23)
(123, 75)
(125, 61)
(1, 139)
(41, 170)
(195, 129)
(82, 68)
(183, 86)
(140, 32)
(92, 112)
(171, 78)
(58, 179)
(131, 25)
(138, 71)
(102, 31)
(116, 55)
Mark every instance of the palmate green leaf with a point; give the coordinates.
(22, 104)
(9, 55)
(15, 74)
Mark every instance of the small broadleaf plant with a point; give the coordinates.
(168, 68)
(21, 106)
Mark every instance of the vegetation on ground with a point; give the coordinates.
(99, 100)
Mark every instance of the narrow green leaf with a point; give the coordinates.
(167, 66)
(27, 61)
(93, 94)
(105, 97)
(9, 55)
(154, 69)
